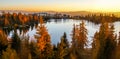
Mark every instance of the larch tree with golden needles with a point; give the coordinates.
(43, 41)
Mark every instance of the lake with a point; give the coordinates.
(56, 28)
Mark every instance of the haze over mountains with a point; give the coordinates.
(72, 13)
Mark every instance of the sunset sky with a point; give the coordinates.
(61, 5)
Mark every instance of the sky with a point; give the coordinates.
(61, 5)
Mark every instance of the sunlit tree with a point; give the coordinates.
(43, 40)
(95, 45)
(3, 41)
(63, 47)
(79, 39)
(6, 21)
(104, 42)
(24, 49)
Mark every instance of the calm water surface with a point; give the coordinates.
(56, 28)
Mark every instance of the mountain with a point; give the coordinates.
(78, 13)
(72, 13)
(83, 13)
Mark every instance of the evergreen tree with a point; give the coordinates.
(24, 48)
(43, 41)
(110, 44)
(3, 42)
(119, 39)
(35, 53)
(15, 41)
(73, 48)
(95, 45)
(29, 56)
(55, 50)
(118, 48)
(6, 22)
(79, 39)
(10, 54)
(63, 47)
(104, 43)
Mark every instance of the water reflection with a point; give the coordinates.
(56, 28)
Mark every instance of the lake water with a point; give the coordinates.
(56, 28)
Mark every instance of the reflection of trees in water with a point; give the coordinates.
(58, 20)
(20, 30)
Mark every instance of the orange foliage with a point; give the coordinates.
(6, 22)
(44, 37)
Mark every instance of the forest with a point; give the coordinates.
(105, 43)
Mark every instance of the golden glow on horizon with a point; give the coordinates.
(94, 5)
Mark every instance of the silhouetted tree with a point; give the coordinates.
(35, 53)
(15, 41)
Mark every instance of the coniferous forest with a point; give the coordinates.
(105, 43)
